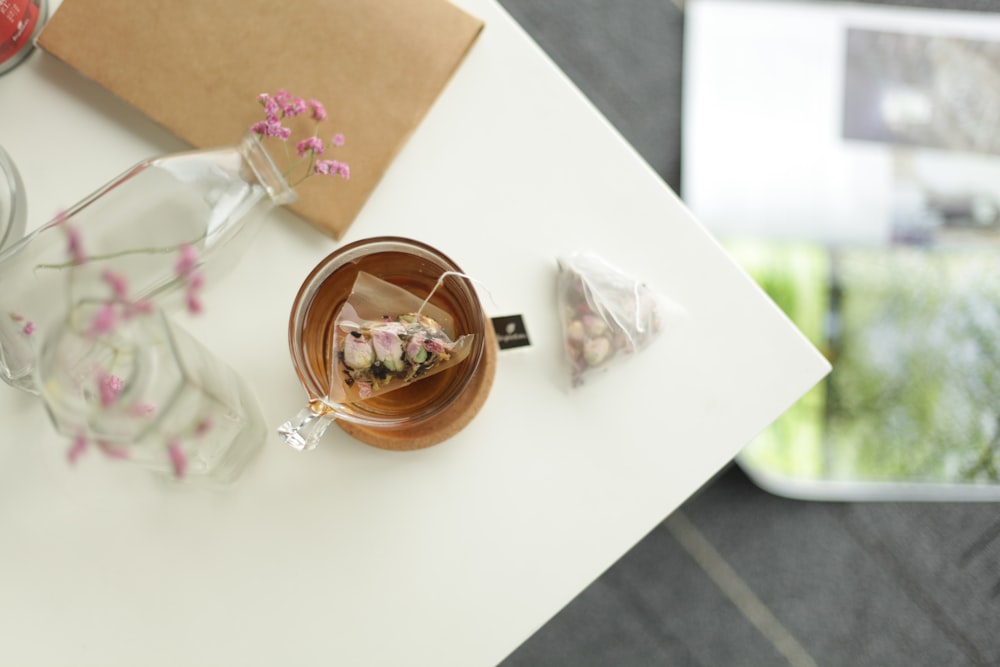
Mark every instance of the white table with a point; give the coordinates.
(352, 555)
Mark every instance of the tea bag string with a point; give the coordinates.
(440, 281)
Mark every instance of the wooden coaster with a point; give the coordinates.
(445, 425)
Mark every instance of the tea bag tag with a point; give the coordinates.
(510, 331)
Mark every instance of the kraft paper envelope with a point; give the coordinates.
(197, 66)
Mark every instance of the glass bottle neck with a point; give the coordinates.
(265, 171)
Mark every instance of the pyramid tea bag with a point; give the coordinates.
(606, 314)
(386, 338)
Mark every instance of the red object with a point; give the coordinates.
(17, 24)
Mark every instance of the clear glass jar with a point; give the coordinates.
(412, 265)
(20, 23)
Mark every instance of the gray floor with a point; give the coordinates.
(738, 576)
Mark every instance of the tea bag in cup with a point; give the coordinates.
(386, 338)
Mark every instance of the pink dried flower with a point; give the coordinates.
(312, 145)
(294, 107)
(194, 304)
(111, 451)
(434, 346)
(271, 107)
(177, 458)
(195, 283)
(332, 168)
(105, 320)
(283, 105)
(118, 283)
(76, 252)
(271, 127)
(76, 449)
(143, 409)
(186, 268)
(29, 328)
(318, 110)
(187, 261)
(110, 386)
(388, 349)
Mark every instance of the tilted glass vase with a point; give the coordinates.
(208, 200)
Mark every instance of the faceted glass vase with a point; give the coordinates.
(149, 394)
(211, 200)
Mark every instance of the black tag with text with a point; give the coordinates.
(510, 331)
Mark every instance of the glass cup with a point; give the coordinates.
(412, 265)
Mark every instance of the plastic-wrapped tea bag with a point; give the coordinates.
(605, 313)
(386, 338)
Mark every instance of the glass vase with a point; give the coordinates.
(206, 203)
(148, 393)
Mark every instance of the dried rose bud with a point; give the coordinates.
(596, 351)
(595, 326)
(388, 348)
(575, 331)
(415, 350)
(358, 353)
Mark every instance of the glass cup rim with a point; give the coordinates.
(323, 270)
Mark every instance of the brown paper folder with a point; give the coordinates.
(197, 66)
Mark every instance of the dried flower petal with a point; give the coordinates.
(318, 110)
(187, 260)
(312, 145)
(105, 320)
(75, 243)
(77, 449)
(178, 459)
(143, 409)
(109, 386)
(118, 283)
(112, 451)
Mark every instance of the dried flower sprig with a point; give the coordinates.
(281, 106)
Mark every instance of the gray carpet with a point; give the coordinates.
(738, 576)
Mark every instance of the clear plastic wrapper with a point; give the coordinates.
(386, 338)
(606, 314)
